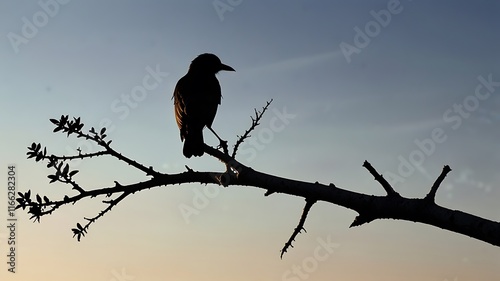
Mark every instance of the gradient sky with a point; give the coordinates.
(412, 76)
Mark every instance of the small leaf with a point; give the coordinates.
(76, 233)
(53, 178)
(66, 169)
(54, 121)
(72, 173)
(79, 226)
(38, 199)
(103, 130)
(46, 199)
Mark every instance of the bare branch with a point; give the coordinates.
(255, 123)
(81, 231)
(300, 226)
(378, 177)
(80, 155)
(75, 126)
(432, 194)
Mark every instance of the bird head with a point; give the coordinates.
(208, 63)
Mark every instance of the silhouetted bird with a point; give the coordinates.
(196, 98)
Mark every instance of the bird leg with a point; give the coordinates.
(222, 143)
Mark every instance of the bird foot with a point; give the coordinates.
(223, 145)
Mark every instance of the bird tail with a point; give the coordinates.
(193, 143)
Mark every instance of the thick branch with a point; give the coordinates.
(378, 207)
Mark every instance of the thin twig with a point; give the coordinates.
(378, 177)
(300, 226)
(255, 123)
(432, 193)
(112, 203)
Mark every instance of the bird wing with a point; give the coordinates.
(196, 99)
(180, 107)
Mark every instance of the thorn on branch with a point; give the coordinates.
(269, 192)
(117, 184)
(361, 219)
(255, 123)
(378, 177)
(300, 226)
(432, 193)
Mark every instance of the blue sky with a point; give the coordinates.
(411, 98)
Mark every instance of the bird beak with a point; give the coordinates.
(226, 67)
